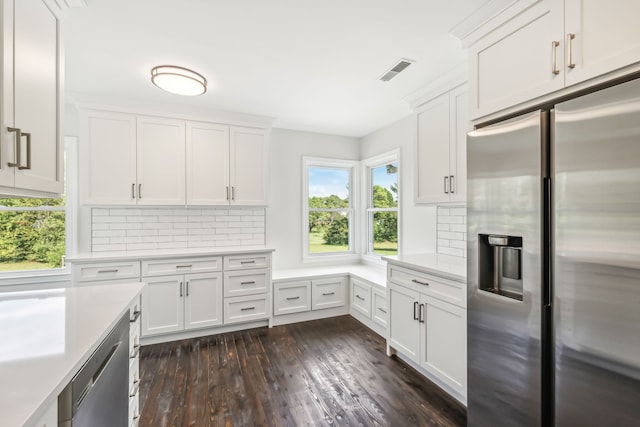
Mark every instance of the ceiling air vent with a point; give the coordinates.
(396, 69)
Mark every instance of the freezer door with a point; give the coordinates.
(597, 258)
(504, 163)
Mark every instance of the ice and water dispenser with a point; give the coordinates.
(500, 265)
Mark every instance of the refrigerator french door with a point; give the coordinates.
(554, 265)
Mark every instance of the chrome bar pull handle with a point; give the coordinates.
(421, 319)
(382, 310)
(233, 193)
(359, 297)
(227, 192)
(16, 143)
(446, 185)
(570, 62)
(419, 282)
(139, 191)
(180, 288)
(133, 191)
(28, 135)
(187, 288)
(451, 184)
(415, 310)
(247, 308)
(292, 298)
(554, 57)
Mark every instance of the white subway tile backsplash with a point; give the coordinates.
(452, 230)
(119, 229)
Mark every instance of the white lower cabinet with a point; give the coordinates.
(292, 297)
(369, 304)
(328, 293)
(429, 330)
(134, 361)
(379, 309)
(361, 297)
(179, 302)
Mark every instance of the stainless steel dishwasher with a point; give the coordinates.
(98, 395)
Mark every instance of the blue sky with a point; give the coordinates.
(324, 182)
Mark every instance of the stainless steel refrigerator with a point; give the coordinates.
(553, 266)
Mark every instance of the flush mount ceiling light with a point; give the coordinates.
(178, 80)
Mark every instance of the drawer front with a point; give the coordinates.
(379, 308)
(328, 293)
(292, 297)
(134, 411)
(444, 289)
(241, 262)
(361, 297)
(181, 266)
(249, 282)
(106, 271)
(246, 309)
(134, 377)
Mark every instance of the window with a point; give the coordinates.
(32, 234)
(382, 205)
(328, 207)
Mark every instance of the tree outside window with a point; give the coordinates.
(32, 234)
(383, 209)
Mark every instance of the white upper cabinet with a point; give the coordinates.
(160, 161)
(31, 141)
(207, 164)
(602, 36)
(442, 126)
(519, 61)
(127, 160)
(248, 161)
(108, 158)
(533, 51)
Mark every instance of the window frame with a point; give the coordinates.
(352, 211)
(50, 277)
(367, 213)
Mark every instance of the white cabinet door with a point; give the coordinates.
(404, 329)
(248, 157)
(36, 96)
(432, 169)
(207, 164)
(108, 158)
(517, 61)
(161, 161)
(459, 126)
(444, 342)
(203, 300)
(163, 305)
(607, 37)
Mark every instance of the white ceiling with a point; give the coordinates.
(311, 64)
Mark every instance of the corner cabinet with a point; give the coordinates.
(528, 52)
(428, 325)
(137, 160)
(441, 131)
(31, 138)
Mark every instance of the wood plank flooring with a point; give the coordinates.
(330, 372)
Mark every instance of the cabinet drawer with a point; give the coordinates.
(106, 271)
(134, 411)
(328, 293)
(447, 290)
(379, 308)
(248, 282)
(361, 297)
(245, 309)
(242, 262)
(134, 377)
(181, 266)
(292, 297)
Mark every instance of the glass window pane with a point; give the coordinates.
(328, 232)
(384, 190)
(385, 233)
(31, 240)
(328, 188)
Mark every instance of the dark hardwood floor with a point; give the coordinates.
(330, 372)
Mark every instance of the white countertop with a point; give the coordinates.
(165, 253)
(372, 274)
(449, 267)
(46, 337)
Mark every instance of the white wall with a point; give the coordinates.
(284, 214)
(417, 223)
